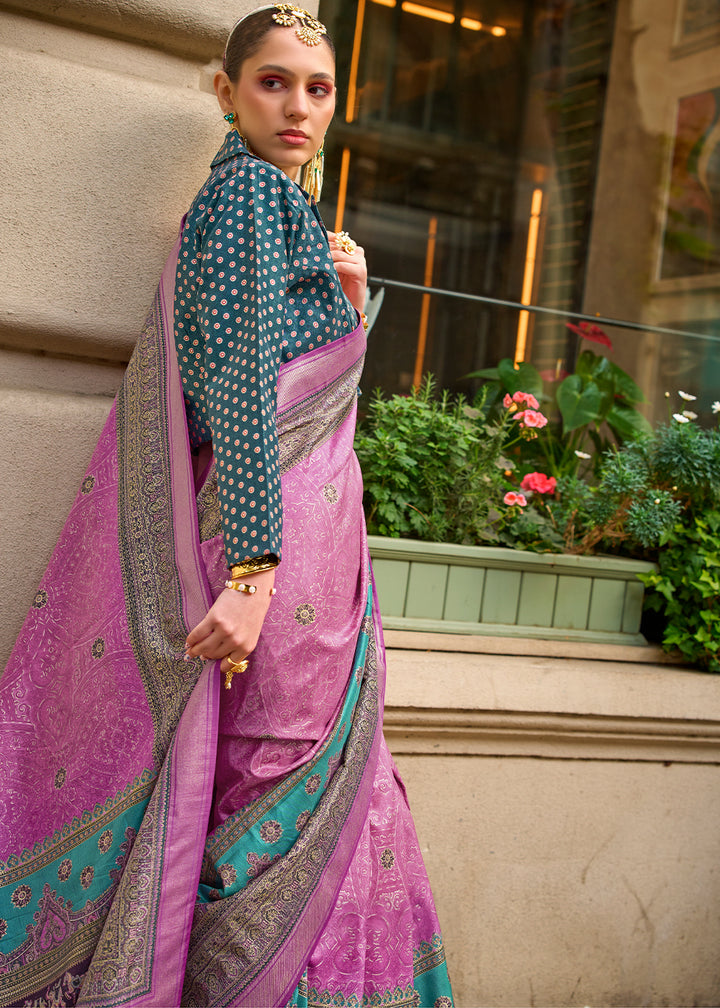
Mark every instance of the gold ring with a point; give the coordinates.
(345, 242)
(234, 667)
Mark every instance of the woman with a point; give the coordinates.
(198, 805)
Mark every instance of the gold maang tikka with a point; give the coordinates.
(309, 30)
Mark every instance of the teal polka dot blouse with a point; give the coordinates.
(255, 286)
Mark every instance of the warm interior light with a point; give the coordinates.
(445, 16)
(425, 309)
(355, 62)
(529, 274)
(428, 12)
(342, 188)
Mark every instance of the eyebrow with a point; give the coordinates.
(290, 73)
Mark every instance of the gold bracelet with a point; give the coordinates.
(246, 589)
(253, 566)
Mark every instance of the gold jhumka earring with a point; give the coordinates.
(312, 176)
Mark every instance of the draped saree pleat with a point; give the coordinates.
(165, 841)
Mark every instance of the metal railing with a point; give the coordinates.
(383, 283)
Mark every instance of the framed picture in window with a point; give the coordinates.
(690, 245)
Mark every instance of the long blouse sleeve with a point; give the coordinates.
(237, 284)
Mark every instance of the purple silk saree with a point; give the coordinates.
(164, 841)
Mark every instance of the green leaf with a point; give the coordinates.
(625, 386)
(524, 378)
(627, 423)
(591, 365)
(578, 406)
(607, 396)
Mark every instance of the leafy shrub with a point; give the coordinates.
(686, 589)
(431, 470)
(441, 469)
(642, 491)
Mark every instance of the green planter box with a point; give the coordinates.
(507, 592)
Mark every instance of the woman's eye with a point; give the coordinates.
(319, 90)
(271, 83)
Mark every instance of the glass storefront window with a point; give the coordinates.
(561, 153)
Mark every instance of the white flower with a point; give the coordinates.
(686, 396)
(583, 455)
(657, 500)
(716, 407)
(680, 418)
(689, 414)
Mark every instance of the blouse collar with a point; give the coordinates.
(233, 145)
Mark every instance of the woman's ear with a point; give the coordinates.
(223, 90)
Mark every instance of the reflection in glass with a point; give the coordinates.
(513, 149)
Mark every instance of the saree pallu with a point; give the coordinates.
(164, 841)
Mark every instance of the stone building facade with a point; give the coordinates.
(566, 798)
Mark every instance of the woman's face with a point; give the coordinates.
(283, 100)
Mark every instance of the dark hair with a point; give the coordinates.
(247, 37)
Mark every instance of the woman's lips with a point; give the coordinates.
(293, 139)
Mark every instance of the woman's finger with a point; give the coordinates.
(199, 633)
(213, 645)
(339, 255)
(351, 269)
(232, 659)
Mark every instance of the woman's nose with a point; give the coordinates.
(297, 104)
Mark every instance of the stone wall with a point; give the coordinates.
(108, 129)
(567, 808)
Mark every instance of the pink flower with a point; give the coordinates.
(531, 418)
(539, 483)
(592, 332)
(511, 498)
(507, 401)
(526, 399)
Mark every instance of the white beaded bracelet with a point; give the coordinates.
(246, 589)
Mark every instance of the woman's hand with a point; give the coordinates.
(232, 625)
(352, 270)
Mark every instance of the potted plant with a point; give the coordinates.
(469, 535)
(445, 527)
